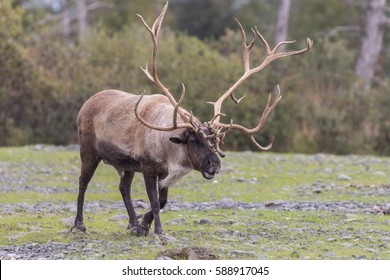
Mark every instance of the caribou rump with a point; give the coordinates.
(154, 135)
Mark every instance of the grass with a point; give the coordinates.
(29, 176)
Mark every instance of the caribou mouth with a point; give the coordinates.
(208, 175)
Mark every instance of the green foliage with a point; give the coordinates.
(203, 18)
(44, 82)
(10, 20)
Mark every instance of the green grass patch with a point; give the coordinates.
(29, 176)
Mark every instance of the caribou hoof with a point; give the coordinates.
(138, 230)
(78, 228)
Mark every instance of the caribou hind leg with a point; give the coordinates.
(147, 218)
(125, 189)
(89, 162)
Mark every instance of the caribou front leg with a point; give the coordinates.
(147, 218)
(151, 189)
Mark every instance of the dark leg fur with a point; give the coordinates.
(151, 189)
(147, 218)
(89, 162)
(125, 189)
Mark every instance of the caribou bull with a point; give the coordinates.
(154, 135)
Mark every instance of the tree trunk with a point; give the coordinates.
(81, 13)
(372, 41)
(65, 24)
(282, 25)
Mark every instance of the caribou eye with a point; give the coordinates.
(176, 140)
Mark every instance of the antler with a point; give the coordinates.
(217, 129)
(154, 32)
(271, 55)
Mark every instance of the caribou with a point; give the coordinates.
(155, 136)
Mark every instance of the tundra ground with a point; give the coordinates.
(261, 206)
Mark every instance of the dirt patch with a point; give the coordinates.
(188, 253)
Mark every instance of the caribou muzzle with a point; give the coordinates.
(211, 166)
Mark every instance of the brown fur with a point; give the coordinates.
(109, 130)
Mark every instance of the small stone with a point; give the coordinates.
(205, 221)
(330, 255)
(68, 222)
(317, 191)
(328, 187)
(346, 237)
(344, 177)
(164, 258)
(297, 230)
(226, 203)
(141, 204)
(261, 257)
(347, 245)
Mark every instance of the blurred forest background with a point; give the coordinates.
(54, 54)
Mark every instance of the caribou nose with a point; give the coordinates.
(211, 167)
(213, 164)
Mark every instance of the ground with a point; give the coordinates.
(261, 206)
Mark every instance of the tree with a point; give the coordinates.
(203, 18)
(371, 45)
(282, 25)
(81, 11)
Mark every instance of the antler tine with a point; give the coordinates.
(155, 32)
(270, 56)
(246, 48)
(266, 148)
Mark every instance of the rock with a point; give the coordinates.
(344, 177)
(317, 191)
(330, 255)
(204, 221)
(261, 257)
(347, 245)
(346, 237)
(68, 222)
(226, 203)
(139, 203)
(188, 253)
(297, 230)
(163, 258)
(165, 238)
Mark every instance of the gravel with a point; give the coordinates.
(279, 205)
(13, 182)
